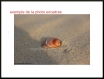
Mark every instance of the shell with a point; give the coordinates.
(51, 43)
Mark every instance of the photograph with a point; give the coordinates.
(52, 39)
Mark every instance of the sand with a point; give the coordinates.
(31, 30)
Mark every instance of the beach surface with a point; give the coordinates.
(31, 30)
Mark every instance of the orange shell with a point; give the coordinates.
(51, 43)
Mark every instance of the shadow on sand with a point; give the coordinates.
(25, 52)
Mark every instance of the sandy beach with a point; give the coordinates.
(31, 30)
